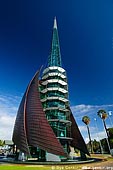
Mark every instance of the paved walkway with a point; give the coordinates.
(105, 164)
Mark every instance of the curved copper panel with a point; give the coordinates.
(39, 132)
(19, 132)
(78, 141)
(31, 126)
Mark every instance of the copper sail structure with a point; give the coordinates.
(19, 133)
(31, 126)
(78, 141)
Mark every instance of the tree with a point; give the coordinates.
(1, 142)
(96, 146)
(103, 115)
(86, 120)
(110, 132)
(104, 145)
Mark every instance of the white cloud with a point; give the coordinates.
(97, 130)
(94, 134)
(83, 129)
(8, 110)
(82, 109)
(99, 135)
(6, 126)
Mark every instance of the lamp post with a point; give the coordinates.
(110, 114)
(101, 148)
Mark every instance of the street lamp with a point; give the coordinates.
(110, 114)
(101, 148)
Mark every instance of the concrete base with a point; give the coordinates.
(52, 158)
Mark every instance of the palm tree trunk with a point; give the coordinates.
(107, 135)
(90, 139)
(105, 128)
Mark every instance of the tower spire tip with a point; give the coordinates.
(55, 23)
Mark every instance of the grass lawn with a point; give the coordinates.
(2, 167)
(41, 167)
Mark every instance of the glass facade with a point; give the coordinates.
(54, 94)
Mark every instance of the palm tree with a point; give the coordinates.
(103, 115)
(86, 120)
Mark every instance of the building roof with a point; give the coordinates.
(8, 142)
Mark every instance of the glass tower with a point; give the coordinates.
(54, 93)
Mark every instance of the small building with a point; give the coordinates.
(8, 143)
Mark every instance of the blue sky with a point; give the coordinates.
(86, 40)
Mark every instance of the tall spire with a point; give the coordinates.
(55, 23)
(54, 58)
